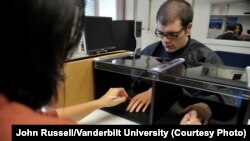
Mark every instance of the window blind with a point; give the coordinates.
(90, 7)
(105, 8)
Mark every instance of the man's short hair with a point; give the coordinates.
(231, 27)
(172, 10)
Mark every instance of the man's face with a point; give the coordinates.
(173, 35)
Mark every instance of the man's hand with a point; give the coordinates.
(140, 101)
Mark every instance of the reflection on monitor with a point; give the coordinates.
(98, 34)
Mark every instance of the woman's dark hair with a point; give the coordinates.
(240, 27)
(42, 32)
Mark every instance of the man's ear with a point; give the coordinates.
(189, 28)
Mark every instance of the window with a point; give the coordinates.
(90, 8)
(105, 8)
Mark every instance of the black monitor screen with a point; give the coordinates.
(123, 31)
(98, 34)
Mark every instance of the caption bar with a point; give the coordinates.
(19, 131)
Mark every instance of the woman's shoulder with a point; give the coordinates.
(242, 36)
(17, 113)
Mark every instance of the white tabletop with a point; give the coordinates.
(102, 117)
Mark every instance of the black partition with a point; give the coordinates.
(174, 89)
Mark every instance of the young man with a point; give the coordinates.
(174, 24)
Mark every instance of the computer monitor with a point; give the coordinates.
(124, 37)
(98, 35)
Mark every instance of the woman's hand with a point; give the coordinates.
(113, 97)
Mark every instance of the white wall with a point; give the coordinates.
(129, 9)
(155, 5)
(142, 13)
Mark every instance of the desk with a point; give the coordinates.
(102, 117)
